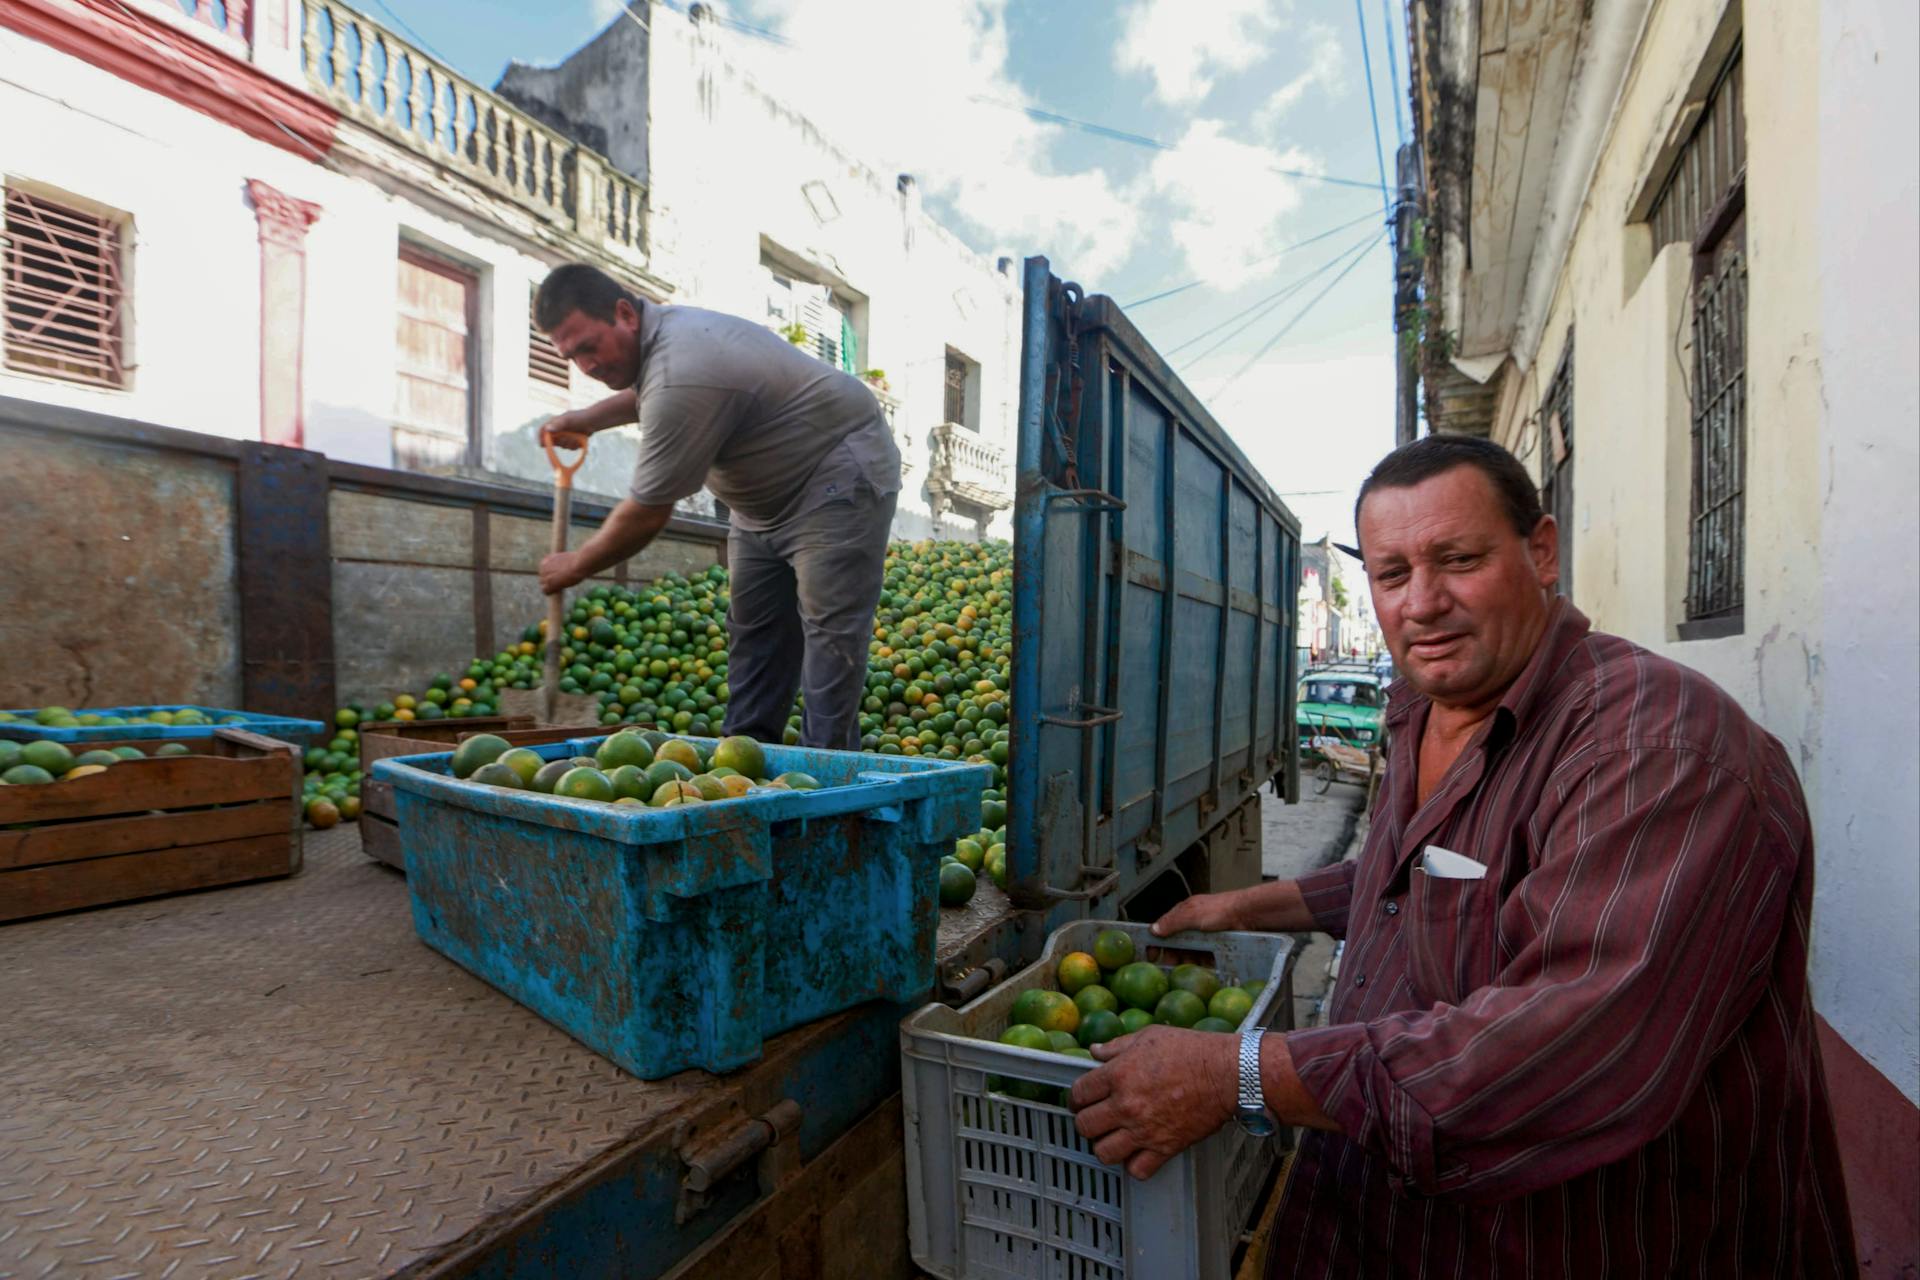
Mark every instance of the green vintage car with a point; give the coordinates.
(1343, 703)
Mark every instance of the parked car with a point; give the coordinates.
(1343, 702)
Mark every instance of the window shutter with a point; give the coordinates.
(545, 364)
(64, 306)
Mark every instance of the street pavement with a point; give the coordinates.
(1298, 838)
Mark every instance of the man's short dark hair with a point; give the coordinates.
(578, 286)
(1430, 456)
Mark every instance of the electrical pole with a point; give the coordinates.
(1406, 298)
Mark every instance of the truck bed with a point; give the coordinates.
(280, 1079)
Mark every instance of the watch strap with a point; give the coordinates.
(1252, 1097)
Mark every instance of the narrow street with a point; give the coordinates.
(1321, 829)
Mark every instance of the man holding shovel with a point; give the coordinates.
(799, 452)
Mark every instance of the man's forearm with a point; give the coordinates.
(625, 534)
(1276, 906)
(617, 410)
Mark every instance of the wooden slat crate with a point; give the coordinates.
(229, 812)
(384, 739)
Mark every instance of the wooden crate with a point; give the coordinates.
(384, 739)
(229, 812)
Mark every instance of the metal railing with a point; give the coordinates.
(379, 80)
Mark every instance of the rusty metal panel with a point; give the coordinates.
(368, 526)
(117, 565)
(396, 626)
(285, 579)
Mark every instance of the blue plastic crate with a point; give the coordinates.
(675, 938)
(286, 728)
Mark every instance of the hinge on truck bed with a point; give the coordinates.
(716, 1157)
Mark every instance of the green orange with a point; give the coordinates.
(1179, 1008)
(1113, 949)
(1077, 969)
(585, 784)
(1140, 985)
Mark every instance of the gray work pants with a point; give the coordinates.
(802, 617)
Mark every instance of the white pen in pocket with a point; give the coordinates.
(1448, 865)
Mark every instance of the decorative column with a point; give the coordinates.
(283, 309)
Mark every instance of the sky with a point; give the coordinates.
(1260, 110)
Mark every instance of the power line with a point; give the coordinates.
(1393, 71)
(1373, 107)
(417, 37)
(1278, 253)
(1297, 318)
(1155, 144)
(1262, 306)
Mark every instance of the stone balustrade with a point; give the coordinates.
(381, 81)
(966, 467)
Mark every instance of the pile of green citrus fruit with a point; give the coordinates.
(656, 657)
(1107, 994)
(629, 767)
(36, 764)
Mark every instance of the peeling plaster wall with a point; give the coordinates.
(1828, 659)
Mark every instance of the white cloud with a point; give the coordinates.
(1314, 424)
(909, 88)
(605, 11)
(1186, 44)
(1324, 69)
(1228, 205)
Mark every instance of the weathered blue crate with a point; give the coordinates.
(286, 728)
(682, 937)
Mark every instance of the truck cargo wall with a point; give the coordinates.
(145, 564)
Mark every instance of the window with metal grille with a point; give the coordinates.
(962, 402)
(64, 304)
(1704, 204)
(545, 364)
(1556, 435)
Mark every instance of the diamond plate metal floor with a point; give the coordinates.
(277, 1079)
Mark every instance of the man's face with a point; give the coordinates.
(1462, 598)
(606, 351)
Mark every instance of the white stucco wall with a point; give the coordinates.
(729, 165)
(1827, 660)
(73, 130)
(1866, 958)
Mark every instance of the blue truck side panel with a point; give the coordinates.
(1155, 577)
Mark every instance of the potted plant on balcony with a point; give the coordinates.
(877, 379)
(796, 333)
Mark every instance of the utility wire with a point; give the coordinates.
(1297, 318)
(1373, 108)
(1278, 253)
(1260, 308)
(1393, 73)
(417, 37)
(1155, 144)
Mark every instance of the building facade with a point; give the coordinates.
(282, 221)
(755, 211)
(1670, 263)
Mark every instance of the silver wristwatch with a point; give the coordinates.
(1251, 1107)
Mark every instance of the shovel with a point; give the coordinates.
(556, 605)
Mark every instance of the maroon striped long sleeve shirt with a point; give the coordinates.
(1599, 1060)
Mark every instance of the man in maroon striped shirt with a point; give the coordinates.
(1572, 1034)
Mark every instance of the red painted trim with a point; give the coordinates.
(283, 310)
(143, 50)
(1879, 1135)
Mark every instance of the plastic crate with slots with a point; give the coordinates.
(1006, 1189)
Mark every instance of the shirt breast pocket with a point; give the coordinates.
(1450, 938)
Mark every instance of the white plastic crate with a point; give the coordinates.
(1002, 1189)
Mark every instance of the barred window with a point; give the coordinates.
(545, 364)
(1556, 433)
(1704, 204)
(64, 302)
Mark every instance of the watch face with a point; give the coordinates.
(1257, 1121)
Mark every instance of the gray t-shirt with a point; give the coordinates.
(773, 432)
